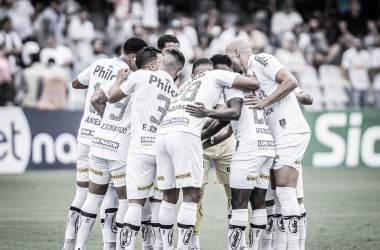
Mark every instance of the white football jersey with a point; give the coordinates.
(111, 139)
(285, 116)
(97, 74)
(153, 91)
(205, 88)
(251, 130)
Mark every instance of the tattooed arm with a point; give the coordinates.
(304, 98)
(98, 101)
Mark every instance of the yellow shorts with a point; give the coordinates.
(221, 155)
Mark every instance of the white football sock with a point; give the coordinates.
(273, 235)
(123, 207)
(73, 217)
(111, 204)
(290, 214)
(238, 223)
(279, 229)
(87, 218)
(258, 225)
(167, 217)
(303, 224)
(146, 226)
(187, 216)
(194, 241)
(155, 206)
(266, 239)
(102, 217)
(132, 224)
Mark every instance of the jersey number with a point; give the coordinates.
(191, 92)
(122, 107)
(163, 110)
(96, 87)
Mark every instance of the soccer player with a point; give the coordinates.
(167, 42)
(179, 148)
(250, 166)
(287, 125)
(99, 73)
(152, 95)
(116, 128)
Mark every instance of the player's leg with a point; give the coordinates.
(99, 178)
(155, 204)
(102, 218)
(109, 209)
(80, 196)
(303, 219)
(166, 183)
(257, 199)
(268, 235)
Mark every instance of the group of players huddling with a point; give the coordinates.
(141, 141)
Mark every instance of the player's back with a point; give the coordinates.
(205, 88)
(96, 75)
(153, 91)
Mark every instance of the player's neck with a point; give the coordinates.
(245, 60)
(125, 59)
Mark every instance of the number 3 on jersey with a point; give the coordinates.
(163, 110)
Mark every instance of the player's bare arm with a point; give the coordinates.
(98, 101)
(233, 111)
(208, 123)
(287, 84)
(246, 83)
(115, 94)
(304, 98)
(213, 129)
(77, 85)
(218, 138)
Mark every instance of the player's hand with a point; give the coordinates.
(122, 74)
(254, 101)
(198, 110)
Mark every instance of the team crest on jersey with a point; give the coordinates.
(235, 238)
(282, 123)
(187, 233)
(298, 162)
(269, 227)
(277, 157)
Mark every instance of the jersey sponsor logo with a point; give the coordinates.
(160, 178)
(183, 176)
(163, 86)
(156, 189)
(87, 132)
(263, 131)
(265, 177)
(107, 143)
(269, 111)
(262, 60)
(251, 178)
(118, 176)
(98, 173)
(114, 128)
(148, 139)
(298, 162)
(145, 188)
(82, 170)
(176, 107)
(175, 121)
(277, 157)
(106, 74)
(94, 121)
(266, 143)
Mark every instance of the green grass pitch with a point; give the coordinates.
(343, 208)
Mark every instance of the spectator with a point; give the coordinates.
(375, 64)
(356, 62)
(81, 32)
(52, 90)
(285, 20)
(231, 33)
(32, 77)
(303, 42)
(20, 13)
(13, 44)
(97, 46)
(355, 20)
(257, 38)
(62, 55)
(6, 91)
(372, 40)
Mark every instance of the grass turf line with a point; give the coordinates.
(342, 206)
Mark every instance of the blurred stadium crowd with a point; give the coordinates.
(331, 46)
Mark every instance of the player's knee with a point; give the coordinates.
(191, 195)
(171, 196)
(269, 203)
(239, 203)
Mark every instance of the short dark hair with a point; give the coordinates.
(166, 39)
(133, 45)
(5, 19)
(145, 54)
(202, 61)
(179, 57)
(221, 59)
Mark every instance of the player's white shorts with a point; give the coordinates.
(179, 160)
(299, 189)
(251, 172)
(102, 171)
(83, 151)
(290, 149)
(142, 177)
